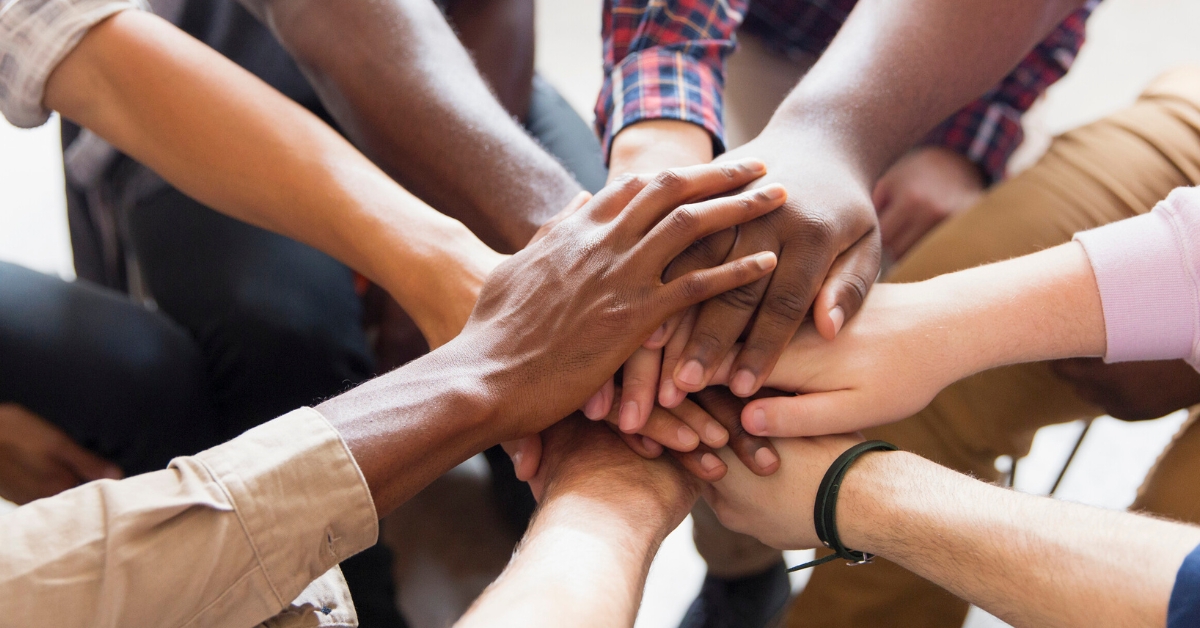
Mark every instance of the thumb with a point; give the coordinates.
(576, 203)
(845, 288)
(813, 414)
(526, 455)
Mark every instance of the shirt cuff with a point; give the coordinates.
(1150, 303)
(326, 600)
(35, 40)
(300, 495)
(986, 133)
(661, 83)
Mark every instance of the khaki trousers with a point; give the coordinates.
(1106, 171)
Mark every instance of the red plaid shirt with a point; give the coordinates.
(666, 59)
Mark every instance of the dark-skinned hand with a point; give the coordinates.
(1132, 391)
(560, 317)
(827, 239)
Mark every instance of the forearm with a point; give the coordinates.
(404, 89)
(1037, 307)
(1029, 560)
(583, 563)
(896, 69)
(405, 429)
(225, 138)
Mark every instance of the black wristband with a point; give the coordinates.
(825, 508)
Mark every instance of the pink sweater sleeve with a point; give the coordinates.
(1148, 271)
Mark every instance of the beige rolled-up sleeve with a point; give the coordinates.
(246, 533)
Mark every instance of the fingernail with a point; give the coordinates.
(764, 458)
(743, 383)
(592, 409)
(629, 417)
(765, 261)
(754, 165)
(757, 422)
(516, 460)
(113, 473)
(715, 434)
(838, 316)
(774, 192)
(651, 446)
(657, 336)
(687, 437)
(666, 393)
(692, 373)
(710, 462)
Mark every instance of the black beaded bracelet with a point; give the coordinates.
(825, 510)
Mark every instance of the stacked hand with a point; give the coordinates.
(583, 458)
(885, 365)
(558, 318)
(826, 238)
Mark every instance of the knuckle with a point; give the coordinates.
(730, 171)
(744, 298)
(855, 287)
(670, 181)
(817, 232)
(685, 220)
(706, 343)
(629, 182)
(787, 304)
(693, 287)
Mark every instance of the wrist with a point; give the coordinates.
(1042, 306)
(875, 494)
(654, 145)
(630, 523)
(799, 124)
(439, 397)
(440, 289)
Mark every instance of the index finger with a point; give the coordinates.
(672, 188)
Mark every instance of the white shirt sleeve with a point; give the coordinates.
(35, 36)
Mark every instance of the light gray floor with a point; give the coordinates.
(449, 552)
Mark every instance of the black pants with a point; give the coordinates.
(123, 381)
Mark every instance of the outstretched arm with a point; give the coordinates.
(406, 91)
(1126, 291)
(1029, 560)
(279, 506)
(912, 340)
(227, 139)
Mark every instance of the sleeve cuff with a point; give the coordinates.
(37, 41)
(1150, 303)
(661, 83)
(301, 497)
(986, 133)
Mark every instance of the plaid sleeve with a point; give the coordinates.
(666, 59)
(988, 130)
